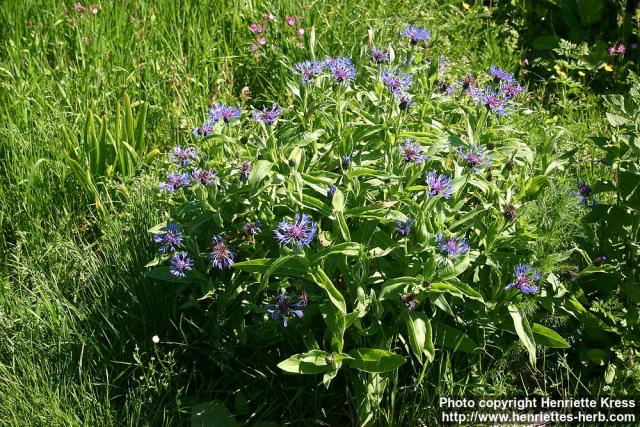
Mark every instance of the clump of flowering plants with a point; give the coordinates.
(375, 216)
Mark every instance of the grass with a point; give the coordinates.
(77, 310)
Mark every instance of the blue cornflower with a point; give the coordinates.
(447, 88)
(494, 101)
(175, 181)
(585, 192)
(223, 112)
(510, 89)
(283, 308)
(180, 262)
(183, 156)
(439, 184)
(500, 75)
(341, 69)
(331, 191)
(404, 100)
(468, 84)
(416, 34)
(205, 130)
(308, 70)
(300, 232)
(204, 177)
(476, 157)
(396, 80)
(404, 228)
(253, 228)
(221, 255)
(244, 168)
(170, 239)
(525, 276)
(267, 116)
(412, 152)
(379, 56)
(346, 161)
(452, 246)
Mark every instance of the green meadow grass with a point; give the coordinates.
(77, 310)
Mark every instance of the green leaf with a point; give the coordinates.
(311, 362)
(374, 360)
(346, 248)
(260, 170)
(321, 279)
(338, 200)
(590, 11)
(211, 414)
(449, 337)
(419, 331)
(548, 337)
(524, 332)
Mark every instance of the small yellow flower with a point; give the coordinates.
(581, 73)
(556, 67)
(466, 6)
(562, 74)
(608, 68)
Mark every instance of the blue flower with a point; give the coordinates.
(170, 239)
(283, 308)
(416, 34)
(253, 228)
(180, 262)
(525, 276)
(175, 181)
(500, 75)
(341, 69)
(510, 89)
(439, 184)
(221, 255)
(585, 192)
(267, 116)
(493, 100)
(205, 130)
(404, 228)
(244, 168)
(204, 177)
(396, 80)
(308, 69)
(346, 161)
(300, 232)
(452, 247)
(379, 56)
(476, 157)
(404, 100)
(331, 191)
(412, 152)
(225, 113)
(183, 156)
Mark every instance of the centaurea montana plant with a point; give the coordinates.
(180, 264)
(451, 246)
(412, 152)
(439, 184)
(267, 116)
(416, 34)
(476, 157)
(221, 256)
(283, 308)
(525, 278)
(299, 233)
(170, 239)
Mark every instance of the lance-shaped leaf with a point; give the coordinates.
(524, 332)
(374, 360)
